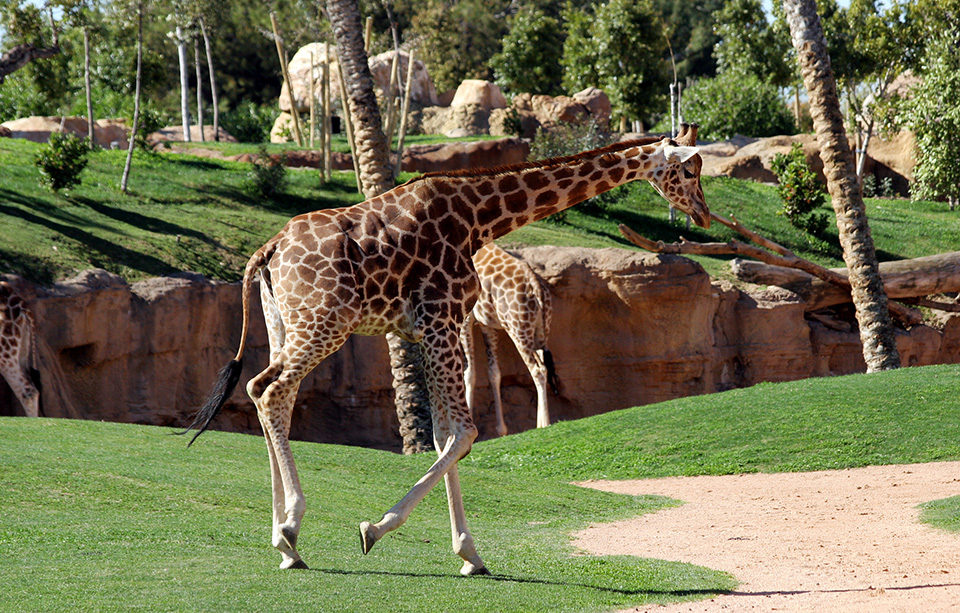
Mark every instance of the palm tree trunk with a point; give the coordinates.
(869, 298)
(376, 176)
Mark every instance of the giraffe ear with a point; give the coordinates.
(679, 154)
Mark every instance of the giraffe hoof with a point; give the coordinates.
(367, 537)
(469, 570)
(294, 564)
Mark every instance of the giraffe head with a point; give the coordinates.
(679, 181)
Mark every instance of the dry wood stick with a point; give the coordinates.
(790, 260)
(327, 126)
(313, 105)
(286, 78)
(403, 114)
(348, 124)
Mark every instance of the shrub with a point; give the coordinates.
(62, 161)
(268, 175)
(800, 191)
(736, 103)
(567, 139)
(249, 123)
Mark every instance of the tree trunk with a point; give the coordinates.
(184, 85)
(86, 83)
(376, 175)
(213, 82)
(21, 55)
(196, 60)
(136, 101)
(876, 327)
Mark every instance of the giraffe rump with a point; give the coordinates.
(227, 380)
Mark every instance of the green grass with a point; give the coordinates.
(189, 213)
(943, 513)
(109, 517)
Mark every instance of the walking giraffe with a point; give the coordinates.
(401, 262)
(17, 346)
(513, 299)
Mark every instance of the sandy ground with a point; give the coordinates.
(847, 541)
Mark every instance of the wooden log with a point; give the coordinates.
(934, 274)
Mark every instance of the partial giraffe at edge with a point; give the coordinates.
(402, 262)
(18, 349)
(513, 298)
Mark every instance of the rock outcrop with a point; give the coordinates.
(107, 133)
(628, 328)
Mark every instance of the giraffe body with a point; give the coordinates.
(513, 298)
(402, 262)
(17, 344)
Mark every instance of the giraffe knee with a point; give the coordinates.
(258, 385)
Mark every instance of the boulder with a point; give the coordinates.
(422, 92)
(481, 93)
(535, 111)
(174, 134)
(455, 156)
(107, 133)
(597, 103)
(282, 130)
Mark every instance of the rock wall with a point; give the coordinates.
(629, 328)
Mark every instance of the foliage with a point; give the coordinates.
(749, 44)
(62, 160)
(530, 58)
(563, 139)
(934, 116)
(619, 48)
(268, 174)
(736, 103)
(692, 35)
(458, 39)
(249, 122)
(800, 191)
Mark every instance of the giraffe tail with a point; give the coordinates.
(552, 378)
(229, 375)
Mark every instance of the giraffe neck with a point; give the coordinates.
(508, 198)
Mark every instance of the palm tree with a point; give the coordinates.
(376, 177)
(869, 297)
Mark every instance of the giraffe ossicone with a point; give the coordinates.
(402, 262)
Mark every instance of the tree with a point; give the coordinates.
(136, 101)
(620, 48)
(457, 38)
(692, 36)
(736, 102)
(376, 175)
(530, 58)
(934, 116)
(869, 299)
(25, 25)
(750, 44)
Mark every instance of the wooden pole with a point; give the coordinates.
(286, 78)
(327, 126)
(348, 124)
(367, 33)
(403, 116)
(313, 103)
(389, 96)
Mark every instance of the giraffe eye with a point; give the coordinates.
(687, 174)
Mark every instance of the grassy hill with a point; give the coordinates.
(119, 517)
(191, 213)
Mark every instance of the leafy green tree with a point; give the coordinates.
(749, 43)
(530, 58)
(619, 48)
(934, 116)
(736, 102)
(691, 34)
(457, 38)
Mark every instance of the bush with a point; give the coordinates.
(736, 103)
(567, 139)
(249, 123)
(268, 175)
(62, 161)
(800, 191)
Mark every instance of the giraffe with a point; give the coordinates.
(513, 298)
(402, 262)
(17, 347)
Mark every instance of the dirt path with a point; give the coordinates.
(846, 540)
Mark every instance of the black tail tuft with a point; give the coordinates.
(552, 378)
(227, 379)
(35, 379)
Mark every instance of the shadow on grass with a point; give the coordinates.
(524, 580)
(144, 222)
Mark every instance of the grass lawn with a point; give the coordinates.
(190, 213)
(111, 517)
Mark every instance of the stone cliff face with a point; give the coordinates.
(629, 328)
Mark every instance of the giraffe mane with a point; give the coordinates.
(546, 163)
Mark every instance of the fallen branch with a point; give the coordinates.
(782, 257)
